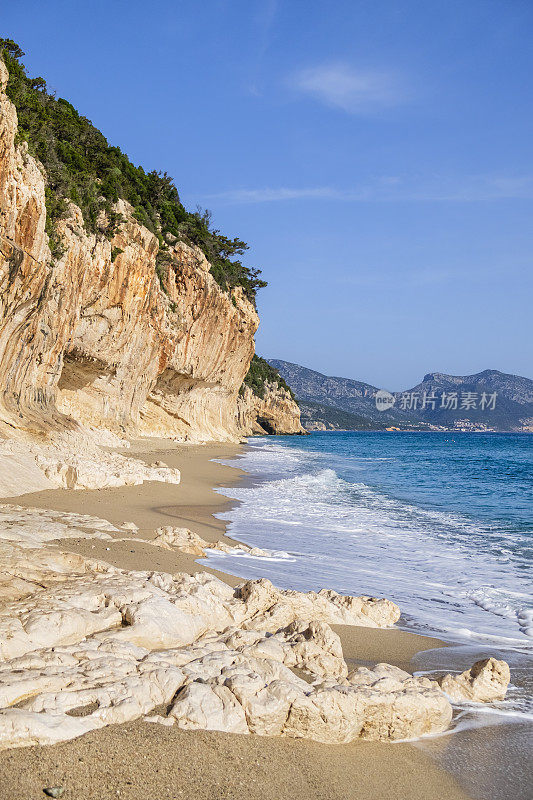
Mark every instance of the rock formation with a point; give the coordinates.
(486, 681)
(188, 542)
(70, 461)
(95, 339)
(84, 644)
(275, 412)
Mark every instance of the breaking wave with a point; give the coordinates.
(347, 512)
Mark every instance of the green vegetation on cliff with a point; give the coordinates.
(260, 373)
(82, 167)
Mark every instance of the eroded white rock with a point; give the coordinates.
(486, 681)
(84, 644)
(187, 541)
(72, 462)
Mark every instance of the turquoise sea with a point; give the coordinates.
(441, 523)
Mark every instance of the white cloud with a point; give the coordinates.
(267, 195)
(470, 189)
(354, 91)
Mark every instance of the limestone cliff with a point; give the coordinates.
(94, 337)
(274, 413)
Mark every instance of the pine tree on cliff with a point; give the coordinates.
(82, 167)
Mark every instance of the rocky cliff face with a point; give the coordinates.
(94, 338)
(276, 412)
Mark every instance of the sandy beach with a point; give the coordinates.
(139, 760)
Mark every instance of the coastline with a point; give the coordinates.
(192, 504)
(170, 762)
(146, 650)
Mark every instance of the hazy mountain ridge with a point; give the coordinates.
(322, 397)
(511, 395)
(344, 394)
(514, 387)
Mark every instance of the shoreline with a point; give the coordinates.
(192, 504)
(309, 769)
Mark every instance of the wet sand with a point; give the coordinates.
(140, 760)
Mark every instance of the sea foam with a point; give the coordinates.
(343, 520)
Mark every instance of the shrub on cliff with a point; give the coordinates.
(260, 373)
(81, 166)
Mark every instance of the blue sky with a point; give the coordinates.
(377, 156)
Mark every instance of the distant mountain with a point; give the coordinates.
(322, 397)
(495, 399)
(488, 400)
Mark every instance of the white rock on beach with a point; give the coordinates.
(72, 462)
(129, 526)
(272, 608)
(187, 541)
(181, 538)
(84, 644)
(486, 681)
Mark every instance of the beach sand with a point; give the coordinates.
(141, 760)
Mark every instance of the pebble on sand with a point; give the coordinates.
(54, 791)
